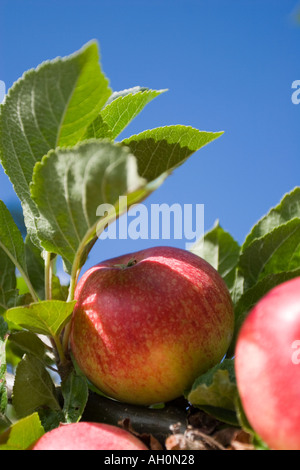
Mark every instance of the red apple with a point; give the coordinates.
(88, 436)
(268, 369)
(147, 324)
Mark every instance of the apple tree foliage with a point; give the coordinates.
(59, 126)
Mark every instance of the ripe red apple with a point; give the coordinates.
(88, 436)
(147, 324)
(268, 369)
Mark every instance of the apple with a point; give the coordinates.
(88, 436)
(268, 369)
(147, 324)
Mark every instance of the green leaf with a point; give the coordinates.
(75, 393)
(11, 243)
(89, 95)
(11, 240)
(23, 434)
(8, 299)
(128, 91)
(24, 342)
(124, 106)
(219, 249)
(216, 391)
(46, 317)
(286, 210)
(217, 387)
(98, 129)
(27, 342)
(33, 387)
(48, 107)
(252, 296)
(165, 148)
(70, 184)
(50, 419)
(4, 424)
(269, 256)
(121, 108)
(59, 291)
(8, 282)
(277, 251)
(35, 267)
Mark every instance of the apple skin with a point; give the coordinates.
(268, 379)
(143, 333)
(88, 436)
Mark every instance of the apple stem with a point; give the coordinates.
(130, 263)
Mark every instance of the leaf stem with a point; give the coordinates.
(73, 282)
(48, 276)
(60, 350)
(48, 296)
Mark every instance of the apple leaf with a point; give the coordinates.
(35, 267)
(277, 251)
(27, 342)
(22, 434)
(165, 148)
(4, 424)
(286, 210)
(271, 246)
(219, 249)
(47, 317)
(8, 291)
(252, 295)
(269, 256)
(75, 393)
(121, 108)
(124, 106)
(11, 255)
(98, 129)
(128, 91)
(12, 244)
(216, 392)
(70, 184)
(33, 387)
(48, 107)
(11, 240)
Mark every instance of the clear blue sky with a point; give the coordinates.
(228, 65)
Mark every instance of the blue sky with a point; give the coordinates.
(228, 65)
